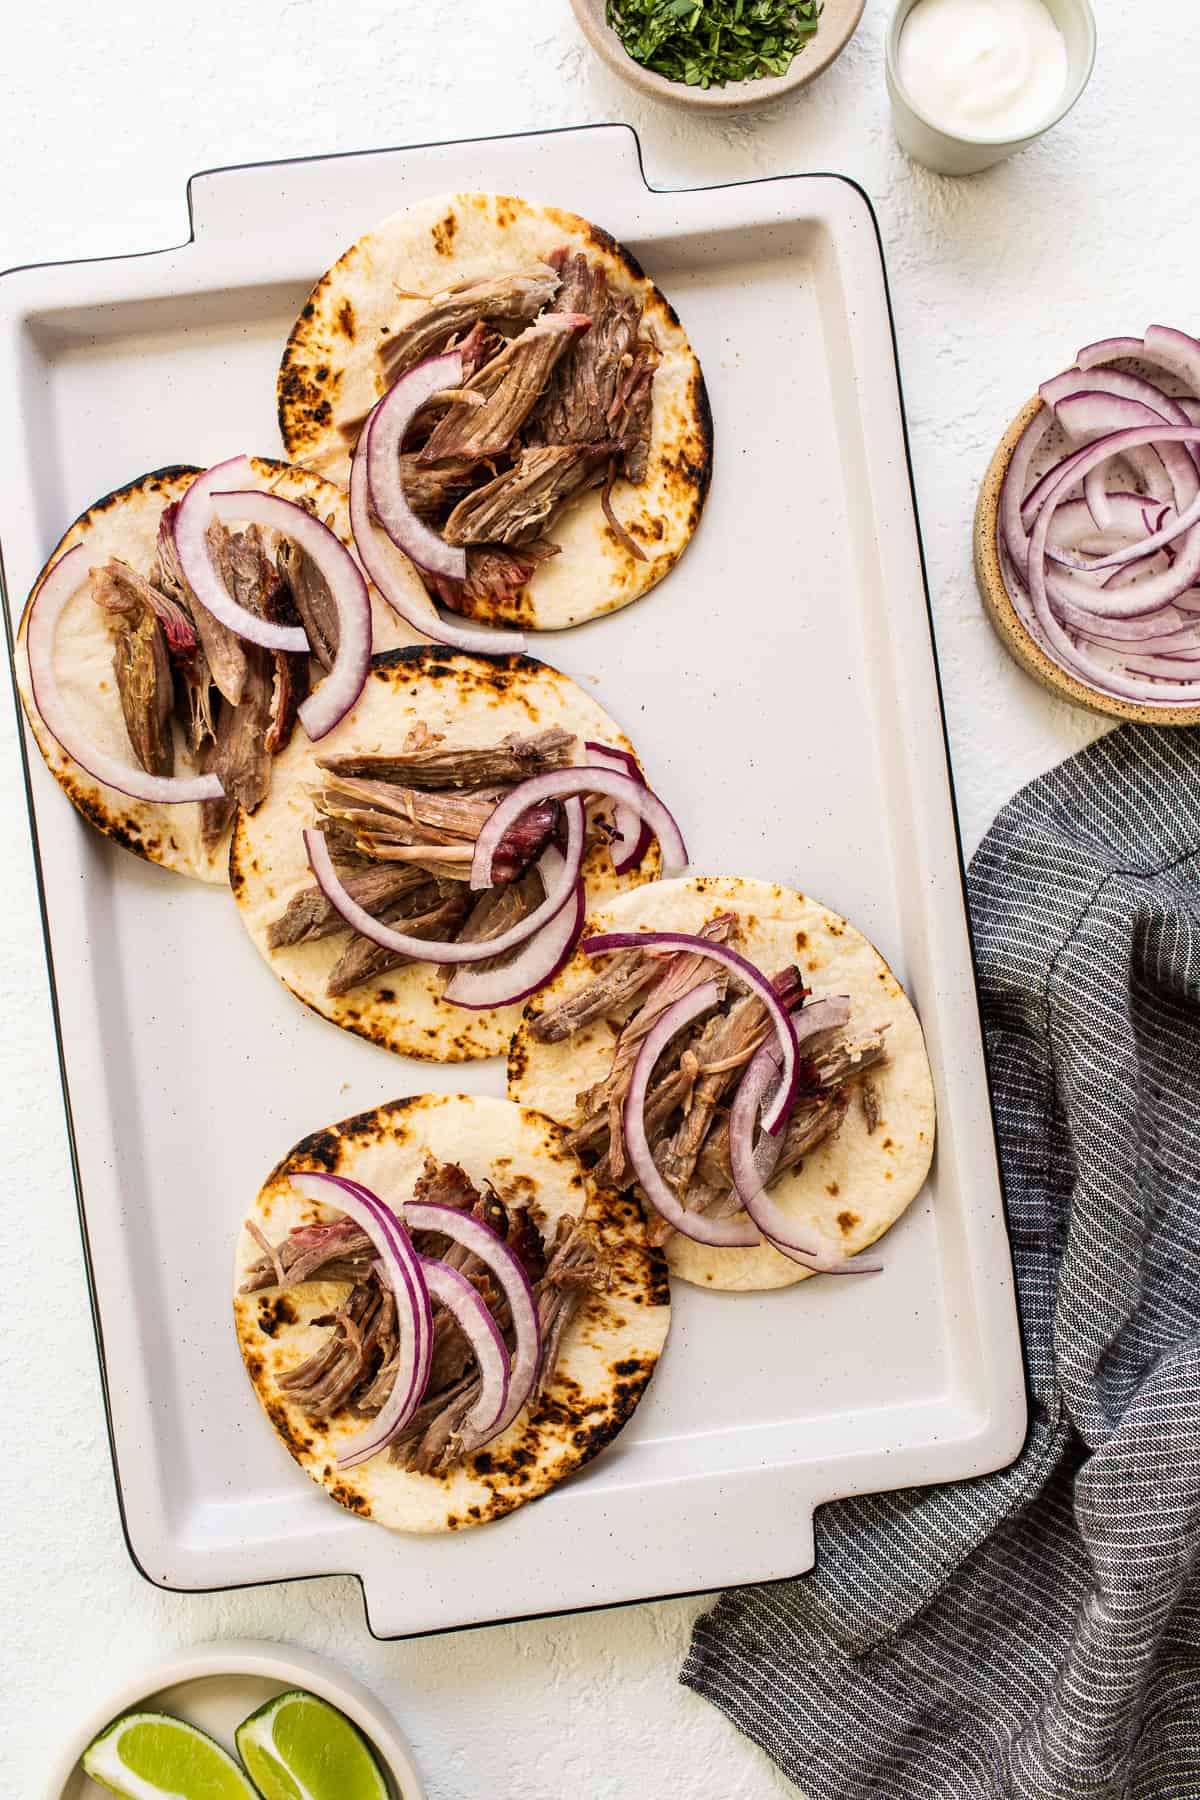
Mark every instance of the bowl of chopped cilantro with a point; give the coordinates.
(718, 53)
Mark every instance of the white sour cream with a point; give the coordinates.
(993, 69)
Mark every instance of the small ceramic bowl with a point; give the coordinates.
(839, 21)
(1011, 628)
(957, 153)
(216, 1686)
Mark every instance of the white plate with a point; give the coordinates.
(216, 1686)
(782, 689)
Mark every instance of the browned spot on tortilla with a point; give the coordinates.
(801, 939)
(835, 927)
(345, 319)
(349, 1497)
(443, 235)
(275, 1310)
(814, 962)
(888, 1144)
(846, 1222)
(281, 1419)
(833, 1187)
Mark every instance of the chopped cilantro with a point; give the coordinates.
(706, 45)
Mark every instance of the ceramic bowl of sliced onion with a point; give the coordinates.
(1087, 530)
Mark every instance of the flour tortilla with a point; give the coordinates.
(852, 1187)
(609, 1350)
(329, 378)
(470, 700)
(125, 524)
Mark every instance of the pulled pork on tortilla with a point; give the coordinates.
(325, 1335)
(854, 1145)
(399, 793)
(153, 681)
(571, 461)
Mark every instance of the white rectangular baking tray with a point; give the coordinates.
(782, 689)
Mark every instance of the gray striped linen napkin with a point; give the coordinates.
(1036, 1634)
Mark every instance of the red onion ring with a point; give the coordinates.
(536, 963)
(634, 837)
(1096, 416)
(406, 1279)
(1073, 658)
(1113, 381)
(559, 886)
(1098, 403)
(1163, 663)
(190, 530)
(337, 693)
(491, 1249)
(751, 1174)
(59, 586)
(387, 425)
(724, 1234)
(743, 971)
(1107, 350)
(1175, 351)
(581, 778)
(1074, 523)
(387, 567)
(469, 1311)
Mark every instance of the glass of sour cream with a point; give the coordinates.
(970, 81)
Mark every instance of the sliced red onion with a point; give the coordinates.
(536, 963)
(559, 886)
(724, 1234)
(190, 531)
(749, 1174)
(744, 972)
(1115, 384)
(1177, 352)
(388, 424)
(1113, 381)
(414, 1319)
(581, 778)
(469, 1311)
(1074, 529)
(1182, 637)
(332, 700)
(491, 1249)
(1107, 350)
(1159, 589)
(1093, 416)
(61, 583)
(1108, 413)
(1175, 525)
(1161, 664)
(634, 837)
(390, 570)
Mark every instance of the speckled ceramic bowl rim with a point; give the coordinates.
(1011, 628)
(736, 95)
(260, 1659)
(1074, 92)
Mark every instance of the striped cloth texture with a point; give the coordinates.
(1036, 1633)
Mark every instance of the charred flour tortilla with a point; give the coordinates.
(124, 525)
(854, 1184)
(456, 701)
(332, 375)
(608, 1352)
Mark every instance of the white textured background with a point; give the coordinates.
(104, 112)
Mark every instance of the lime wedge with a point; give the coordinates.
(148, 1756)
(297, 1747)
